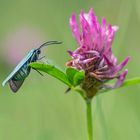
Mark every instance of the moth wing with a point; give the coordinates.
(17, 68)
(15, 85)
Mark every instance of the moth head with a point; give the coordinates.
(38, 51)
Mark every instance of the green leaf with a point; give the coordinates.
(75, 77)
(129, 82)
(52, 70)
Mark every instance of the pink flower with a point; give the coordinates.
(94, 54)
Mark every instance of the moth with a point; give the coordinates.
(16, 78)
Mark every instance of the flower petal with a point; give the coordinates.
(121, 79)
(122, 64)
(87, 38)
(75, 28)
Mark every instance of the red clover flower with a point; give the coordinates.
(94, 54)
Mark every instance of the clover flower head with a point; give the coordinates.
(94, 54)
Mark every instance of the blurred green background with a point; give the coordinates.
(41, 110)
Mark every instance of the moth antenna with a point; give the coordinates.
(49, 43)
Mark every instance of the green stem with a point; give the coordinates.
(88, 113)
(89, 120)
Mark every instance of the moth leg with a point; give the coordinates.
(41, 58)
(38, 71)
(68, 90)
(46, 61)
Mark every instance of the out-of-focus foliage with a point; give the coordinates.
(41, 110)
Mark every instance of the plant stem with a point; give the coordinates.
(89, 120)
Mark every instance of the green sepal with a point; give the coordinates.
(75, 77)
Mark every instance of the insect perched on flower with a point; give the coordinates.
(94, 54)
(22, 70)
